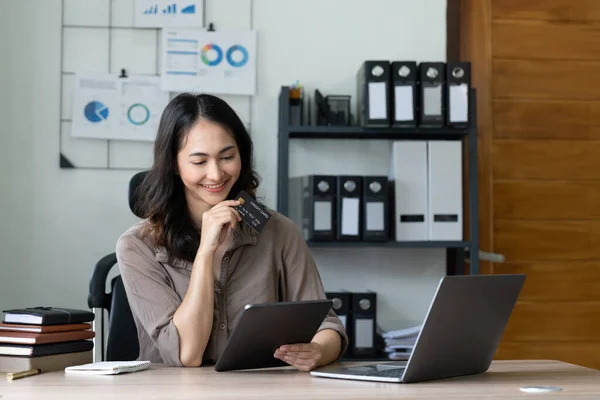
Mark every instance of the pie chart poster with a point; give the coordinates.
(219, 62)
(108, 107)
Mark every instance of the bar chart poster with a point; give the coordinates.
(219, 62)
(108, 107)
(168, 13)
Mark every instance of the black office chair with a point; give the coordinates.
(121, 341)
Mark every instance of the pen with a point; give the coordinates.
(23, 374)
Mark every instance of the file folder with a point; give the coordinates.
(375, 209)
(404, 93)
(364, 320)
(341, 306)
(445, 190)
(432, 94)
(409, 176)
(312, 206)
(349, 193)
(373, 92)
(458, 83)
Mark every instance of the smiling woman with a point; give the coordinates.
(191, 266)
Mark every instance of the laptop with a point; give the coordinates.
(460, 334)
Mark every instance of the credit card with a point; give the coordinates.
(252, 213)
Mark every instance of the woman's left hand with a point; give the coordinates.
(302, 356)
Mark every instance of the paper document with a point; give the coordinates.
(196, 60)
(106, 106)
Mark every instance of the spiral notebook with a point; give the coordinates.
(108, 367)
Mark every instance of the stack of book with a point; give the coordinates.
(46, 338)
(399, 343)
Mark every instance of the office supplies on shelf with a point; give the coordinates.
(108, 367)
(458, 252)
(313, 204)
(296, 104)
(375, 209)
(321, 109)
(458, 83)
(409, 176)
(445, 198)
(349, 213)
(47, 316)
(364, 320)
(339, 109)
(404, 93)
(373, 94)
(432, 94)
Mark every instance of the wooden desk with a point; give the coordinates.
(502, 381)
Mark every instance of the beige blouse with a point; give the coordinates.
(275, 265)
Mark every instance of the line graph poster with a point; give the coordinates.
(168, 13)
(108, 107)
(220, 62)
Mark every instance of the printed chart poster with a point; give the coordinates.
(220, 62)
(168, 13)
(108, 107)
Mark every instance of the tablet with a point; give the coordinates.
(262, 328)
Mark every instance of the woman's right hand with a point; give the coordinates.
(215, 224)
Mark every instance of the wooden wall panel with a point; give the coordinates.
(554, 321)
(557, 281)
(545, 159)
(579, 353)
(541, 58)
(546, 200)
(527, 119)
(546, 79)
(547, 10)
(545, 40)
(475, 24)
(551, 240)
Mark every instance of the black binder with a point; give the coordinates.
(373, 94)
(404, 93)
(375, 209)
(349, 213)
(432, 94)
(312, 206)
(458, 79)
(364, 320)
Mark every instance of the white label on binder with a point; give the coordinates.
(350, 212)
(459, 103)
(343, 320)
(432, 97)
(377, 101)
(375, 216)
(322, 216)
(363, 335)
(403, 103)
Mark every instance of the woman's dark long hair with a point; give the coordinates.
(161, 196)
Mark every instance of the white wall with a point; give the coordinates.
(58, 223)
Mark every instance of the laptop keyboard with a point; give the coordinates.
(385, 372)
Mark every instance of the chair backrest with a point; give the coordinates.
(122, 344)
(122, 340)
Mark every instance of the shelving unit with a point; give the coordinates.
(456, 251)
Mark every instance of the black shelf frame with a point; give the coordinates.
(456, 251)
